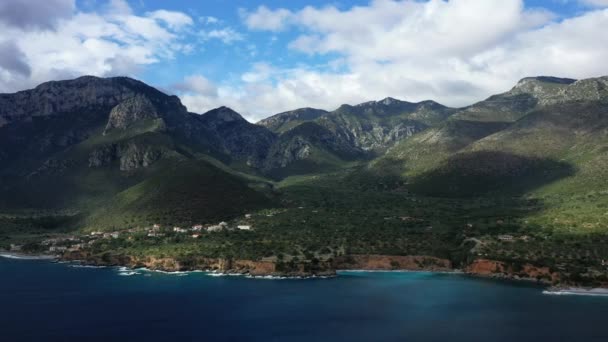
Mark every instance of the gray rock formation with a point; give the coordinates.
(283, 121)
(129, 156)
(130, 111)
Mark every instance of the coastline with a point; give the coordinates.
(25, 256)
(353, 263)
(576, 291)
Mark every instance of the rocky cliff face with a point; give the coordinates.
(533, 93)
(131, 111)
(369, 126)
(370, 135)
(301, 142)
(286, 120)
(236, 137)
(52, 117)
(84, 93)
(378, 125)
(551, 90)
(500, 269)
(392, 262)
(129, 155)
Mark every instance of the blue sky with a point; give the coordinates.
(211, 58)
(265, 56)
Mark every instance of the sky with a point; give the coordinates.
(262, 57)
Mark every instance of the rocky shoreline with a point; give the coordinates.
(323, 269)
(265, 268)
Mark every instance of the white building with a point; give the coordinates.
(215, 228)
(244, 227)
(505, 237)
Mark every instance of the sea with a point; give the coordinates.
(42, 300)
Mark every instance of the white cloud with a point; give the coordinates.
(227, 35)
(596, 3)
(118, 7)
(175, 20)
(265, 19)
(260, 72)
(456, 52)
(209, 20)
(35, 14)
(111, 42)
(198, 85)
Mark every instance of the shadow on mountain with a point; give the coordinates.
(486, 173)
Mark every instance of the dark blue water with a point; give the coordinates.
(43, 301)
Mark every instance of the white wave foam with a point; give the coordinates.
(85, 266)
(26, 257)
(177, 273)
(577, 292)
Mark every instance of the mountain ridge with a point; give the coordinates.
(519, 178)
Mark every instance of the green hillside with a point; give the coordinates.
(519, 177)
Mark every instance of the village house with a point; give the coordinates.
(244, 227)
(247, 216)
(505, 237)
(179, 230)
(76, 247)
(196, 236)
(197, 228)
(15, 248)
(57, 249)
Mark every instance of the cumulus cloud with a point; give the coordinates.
(12, 59)
(197, 84)
(260, 72)
(175, 20)
(227, 35)
(456, 52)
(69, 43)
(35, 14)
(209, 20)
(265, 19)
(596, 3)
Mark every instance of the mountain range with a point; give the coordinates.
(112, 153)
(75, 143)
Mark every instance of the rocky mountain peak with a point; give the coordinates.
(83, 93)
(552, 90)
(388, 101)
(222, 116)
(590, 89)
(282, 121)
(130, 111)
(544, 79)
(541, 87)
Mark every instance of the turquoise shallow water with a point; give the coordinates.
(44, 301)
